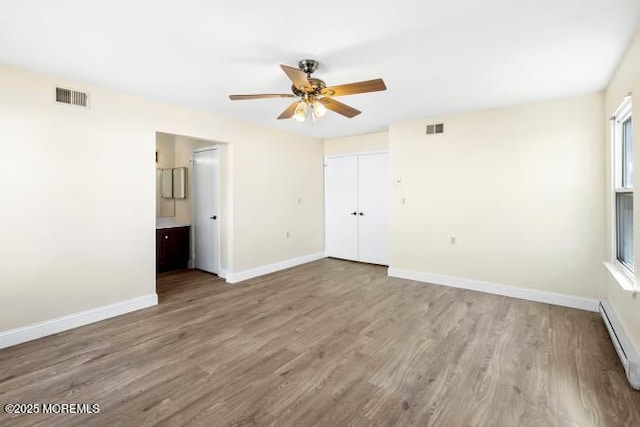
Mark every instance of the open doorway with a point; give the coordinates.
(193, 211)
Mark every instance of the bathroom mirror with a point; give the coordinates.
(167, 183)
(179, 183)
(164, 207)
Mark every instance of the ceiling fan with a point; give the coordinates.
(314, 94)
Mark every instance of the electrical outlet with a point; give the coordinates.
(288, 235)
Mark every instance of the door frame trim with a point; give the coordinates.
(358, 153)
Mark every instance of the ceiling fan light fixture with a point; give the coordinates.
(317, 110)
(313, 93)
(301, 111)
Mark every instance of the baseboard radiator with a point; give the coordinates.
(623, 346)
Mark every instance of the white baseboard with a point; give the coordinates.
(572, 301)
(628, 357)
(222, 273)
(53, 326)
(271, 268)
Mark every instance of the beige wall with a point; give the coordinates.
(357, 144)
(520, 189)
(625, 80)
(277, 181)
(67, 247)
(226, 205)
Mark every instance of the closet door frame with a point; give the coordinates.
(333, 156)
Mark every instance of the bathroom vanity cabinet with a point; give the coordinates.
(172, 248)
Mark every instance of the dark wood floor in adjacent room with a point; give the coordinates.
(328, 343)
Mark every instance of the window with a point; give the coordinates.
(623, 184)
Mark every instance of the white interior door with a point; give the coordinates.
(341, 205)
(373, 208)
(206, 166)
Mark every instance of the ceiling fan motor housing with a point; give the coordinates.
(308, 65)
(316, 88)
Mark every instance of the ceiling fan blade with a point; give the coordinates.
(288, 113)
(354, 88)
(264, 95)
(339, 107)
(297, 76)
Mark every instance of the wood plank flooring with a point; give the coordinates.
(328, 343)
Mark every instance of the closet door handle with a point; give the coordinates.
(354, 213)
(361, 214)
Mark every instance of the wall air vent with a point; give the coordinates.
(72, 97)
(434, 129)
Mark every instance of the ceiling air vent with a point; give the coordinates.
(434, 129)
(72, 97)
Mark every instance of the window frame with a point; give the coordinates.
(621, 116)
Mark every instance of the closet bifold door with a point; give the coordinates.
(373, 208)
(341, 207)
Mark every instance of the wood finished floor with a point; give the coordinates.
(329, 343)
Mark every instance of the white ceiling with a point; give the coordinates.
(436, 57)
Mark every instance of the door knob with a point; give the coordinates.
(213, 217)
(354, 213)
(361, 214)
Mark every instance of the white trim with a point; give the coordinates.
(621, 273)
(270, 268)
(356, 153)
(229, 168)
(622, 276)
(212, 147)
(613, 155)
(70, 321)
(564, 300)
(626, 352)
(625, 107)
(623, 190)
(222, 273)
